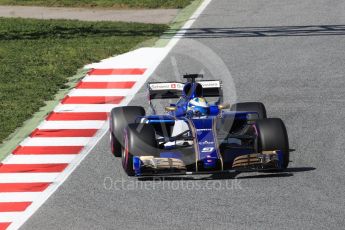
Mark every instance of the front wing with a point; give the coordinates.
(153, 166)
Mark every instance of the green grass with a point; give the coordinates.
(102, 3)
(38, 56)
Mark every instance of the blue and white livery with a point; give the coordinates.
(194, 136)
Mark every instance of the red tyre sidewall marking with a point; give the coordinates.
(112, 143)
(126, 149)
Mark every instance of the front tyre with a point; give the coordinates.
(139, 140)
(120, 117)
(272, 135)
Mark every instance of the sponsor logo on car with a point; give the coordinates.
(206, 143)
(207, 149)
(179, 86)
(210, 84)
(166, 86)
(203, 130)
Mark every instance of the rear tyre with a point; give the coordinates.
(272, 135)
(120, 117)
(139, 140)
(250, 107)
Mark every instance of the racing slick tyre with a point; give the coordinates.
(272, 135)
(139, 140)
(250, 107)
(120, 117)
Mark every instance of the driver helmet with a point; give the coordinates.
(198, 106)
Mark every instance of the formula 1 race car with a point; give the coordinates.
(195, 137)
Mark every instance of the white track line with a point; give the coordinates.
(56, 141)
(188, 24)
(11, 217)
(99, 92)
(153, 56)
(111, 78)
(28, 177)
(39, 159)
(19, 196)
(84, 108)
(71, 125)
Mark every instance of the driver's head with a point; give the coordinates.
(198, 106)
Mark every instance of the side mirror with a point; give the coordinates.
(223, 106)
(170, 108)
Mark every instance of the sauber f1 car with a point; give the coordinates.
(195, 137)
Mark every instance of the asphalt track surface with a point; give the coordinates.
(287, 54)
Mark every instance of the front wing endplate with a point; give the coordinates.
(266, 159)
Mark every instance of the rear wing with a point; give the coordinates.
(170, 90)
